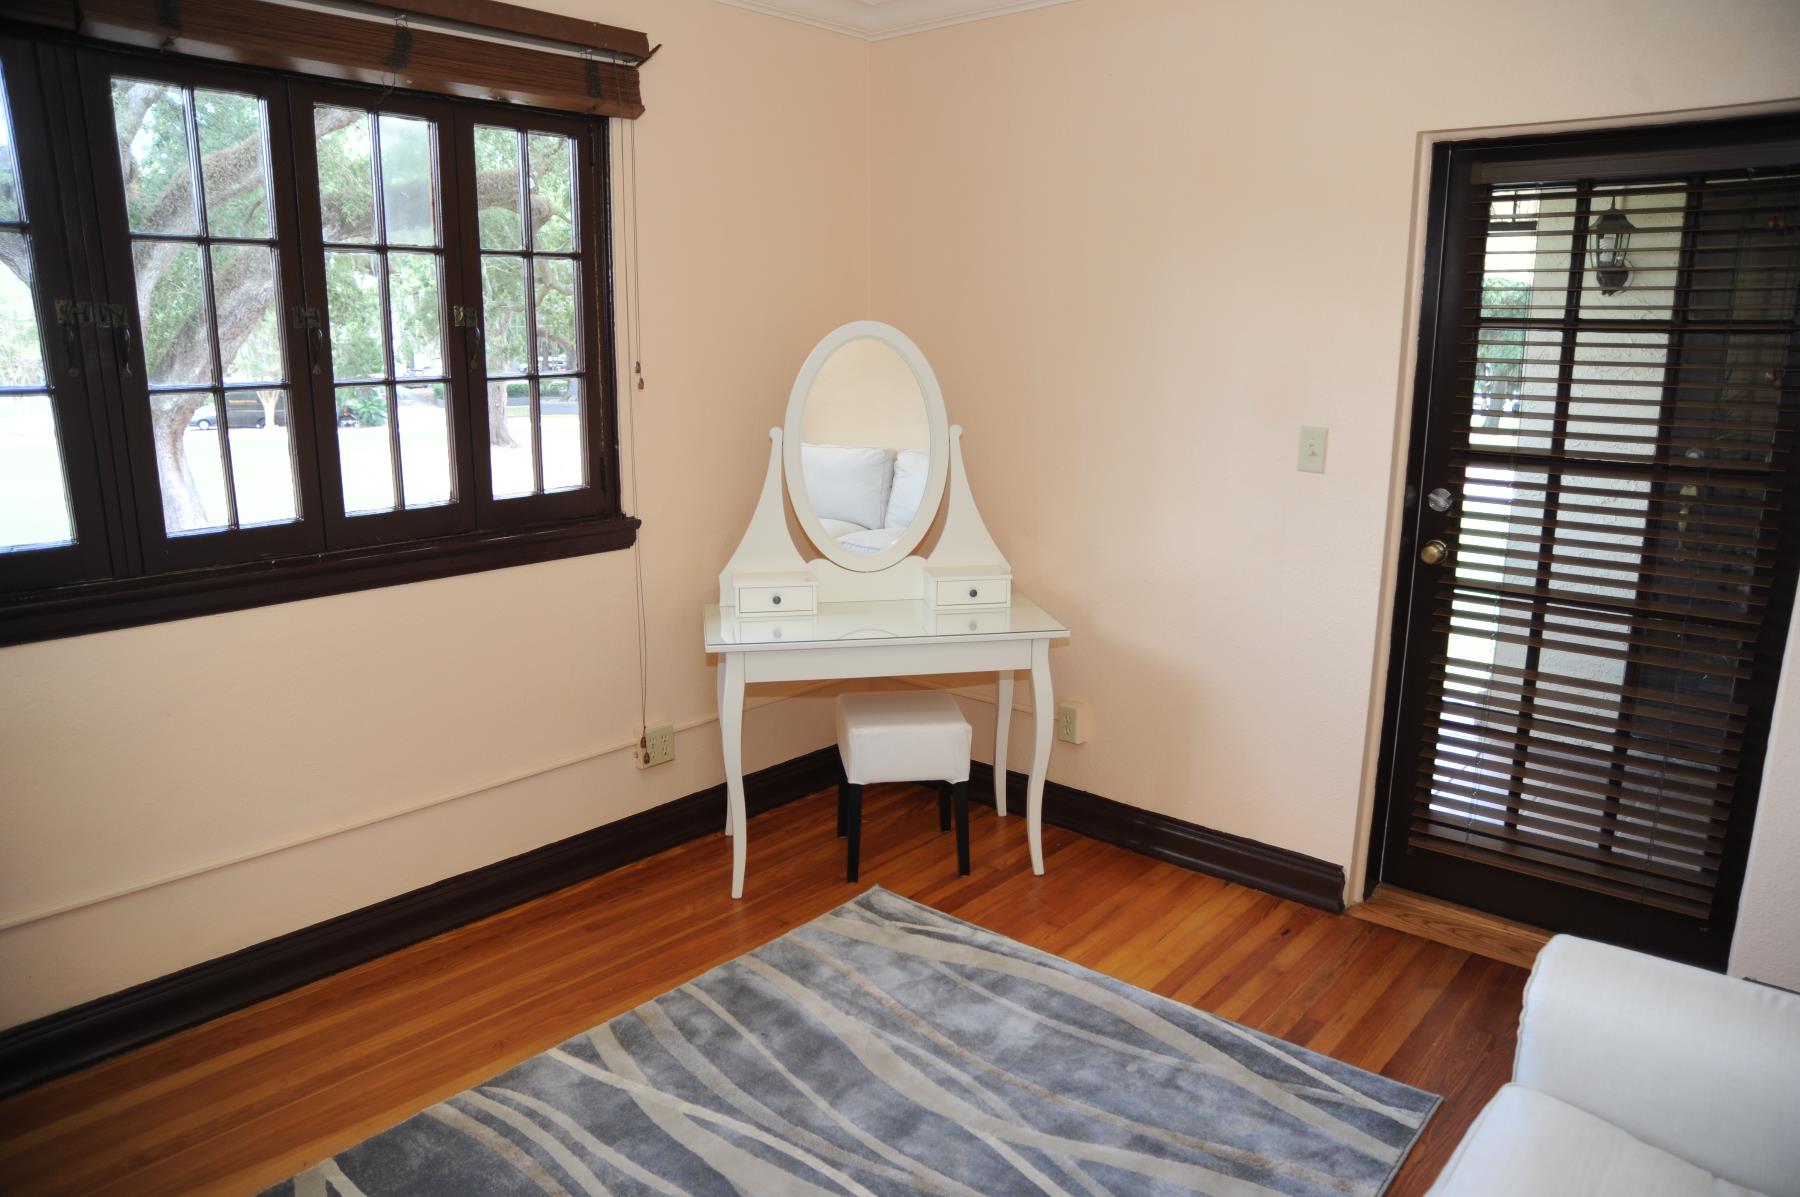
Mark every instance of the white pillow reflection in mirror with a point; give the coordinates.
(847, 482)
(911, 468)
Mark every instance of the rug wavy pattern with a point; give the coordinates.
(886, 1048)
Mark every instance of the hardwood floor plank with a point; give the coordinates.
(238, 1103)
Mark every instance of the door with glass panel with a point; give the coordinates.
(1601, 549)
(51, 517)
(196, 205)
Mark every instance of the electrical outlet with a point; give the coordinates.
(656, 745)
(1073, 723)
(1312, 449)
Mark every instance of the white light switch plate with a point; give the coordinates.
(1312, 449)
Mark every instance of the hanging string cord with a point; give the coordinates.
(637, 282)
(629, 298)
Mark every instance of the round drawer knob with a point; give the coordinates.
(972, 592)
(776, 600)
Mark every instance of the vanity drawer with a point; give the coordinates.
(973, 592)
(972, 621)
(797, 599)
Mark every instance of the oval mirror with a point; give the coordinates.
(866, 446)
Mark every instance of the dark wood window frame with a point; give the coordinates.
(123, 571)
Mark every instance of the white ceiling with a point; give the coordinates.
(874, 20)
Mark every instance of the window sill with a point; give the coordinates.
(132, 602)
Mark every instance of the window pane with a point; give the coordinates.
(21, 350)
(510, 451)
(408, 181)
(353, 295)
(565, 450)
(172, 312)
(346, 174)
(262, 457)
(503, 312)
(34, 495)
(234, 163)
(552, 193)
(553, 280)
(364, 452)
(150, 126)
(497, 188)
(425, 444)
(417, 313)
(12, 206)
(189, 462)
(249, 334)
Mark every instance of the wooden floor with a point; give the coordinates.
(241, 1102)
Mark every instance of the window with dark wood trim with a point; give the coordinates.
(268, 337)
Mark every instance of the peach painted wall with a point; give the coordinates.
(131, 757)
(1114, 288)
(1143, 242)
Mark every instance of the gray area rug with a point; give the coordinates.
(886, 1048)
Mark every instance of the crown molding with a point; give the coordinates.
(880, 20)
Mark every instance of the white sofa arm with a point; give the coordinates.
(1703, 1066)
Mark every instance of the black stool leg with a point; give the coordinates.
(843, 807)
(943, 793)
(962, 828)
(853, 822)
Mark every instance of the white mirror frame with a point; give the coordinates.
(935, 419)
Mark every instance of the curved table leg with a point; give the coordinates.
(1003, 700)
(1043, 703)
(719, 691)
(731, 735)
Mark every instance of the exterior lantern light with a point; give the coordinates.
(1611, 235)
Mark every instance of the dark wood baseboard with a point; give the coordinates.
(1274, 870)
(60, 1043)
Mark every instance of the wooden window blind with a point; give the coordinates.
(480, 49)
(1620, 445)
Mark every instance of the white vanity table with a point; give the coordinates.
(870, 462)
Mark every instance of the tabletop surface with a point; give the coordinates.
(905, 622)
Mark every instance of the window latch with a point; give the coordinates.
(468, 316)
(306, 321)
(72, 315)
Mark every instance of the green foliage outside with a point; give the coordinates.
(177, 324)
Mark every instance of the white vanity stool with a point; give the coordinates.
(919, 735)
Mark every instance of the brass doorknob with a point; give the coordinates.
(1434, 552)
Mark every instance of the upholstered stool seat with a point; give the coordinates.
(916, 735)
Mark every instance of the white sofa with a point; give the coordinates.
(1637, 1077)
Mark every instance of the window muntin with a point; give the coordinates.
(35, 511)
(531, 270)
(381, 220)
(197, 180)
